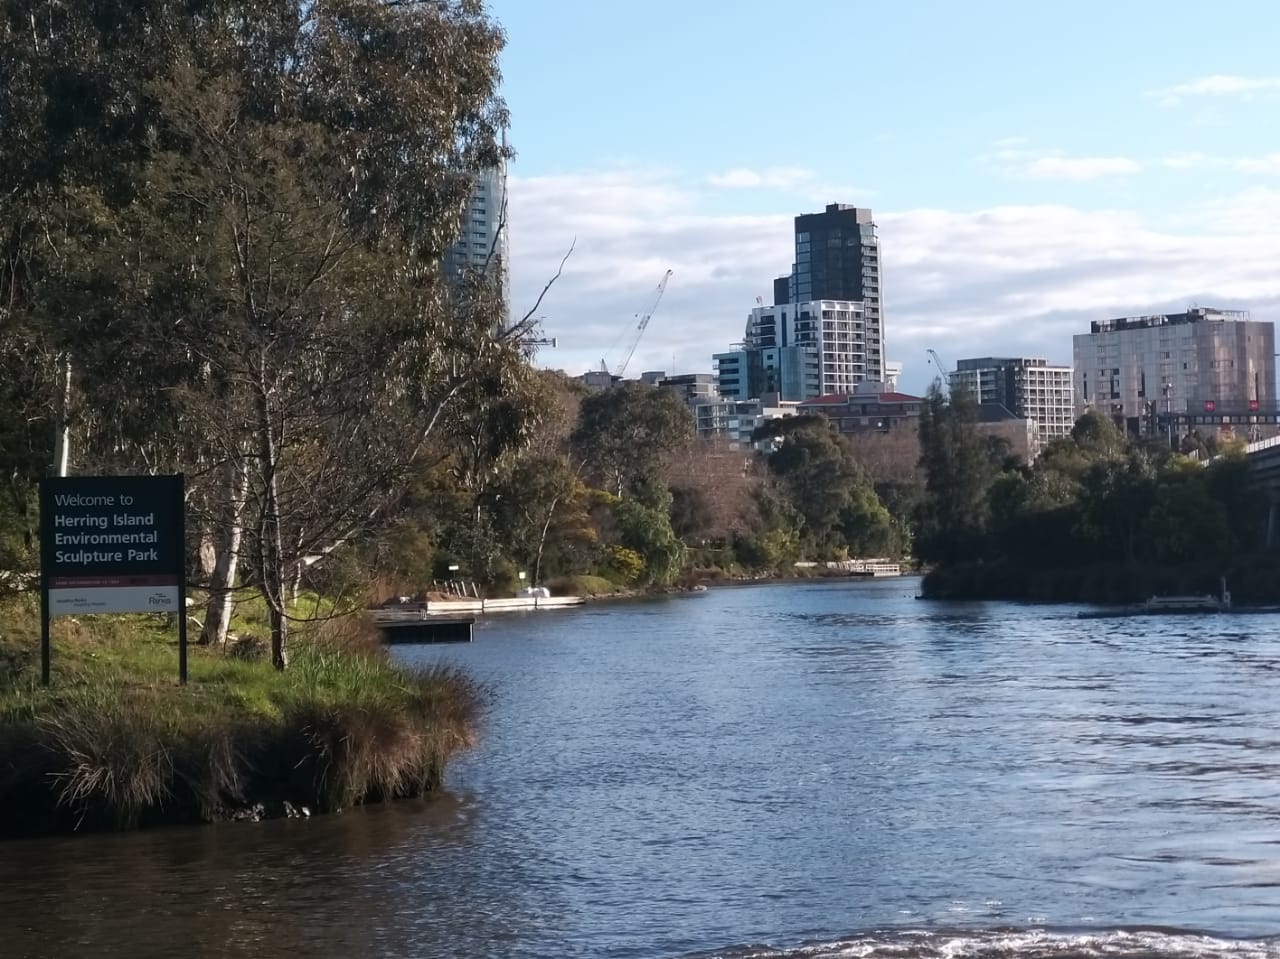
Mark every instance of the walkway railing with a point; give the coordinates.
(1261, 445)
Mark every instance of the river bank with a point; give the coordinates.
(1254, 580)
(115, 743)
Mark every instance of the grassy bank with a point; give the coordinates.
(1252, 579)
(115, 743)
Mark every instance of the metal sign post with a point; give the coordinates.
(112, 544)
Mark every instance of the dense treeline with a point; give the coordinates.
(1098, 516)
(612, 490)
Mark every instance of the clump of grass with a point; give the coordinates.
(211, 770)
(113, 754)
(115, 743)
(370, 730)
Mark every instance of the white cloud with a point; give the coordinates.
(1189, 161)
(1016, 158)
(1079, 168)
(801, 183)
(1219, 84)
(780, 178)
(1015, 279)
(1267, 163)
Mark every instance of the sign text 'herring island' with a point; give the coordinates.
(112, 544)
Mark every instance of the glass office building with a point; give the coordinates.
(1133, 368)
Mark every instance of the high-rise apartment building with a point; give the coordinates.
(1133, 368)
(482, 242)
(802, 350)
(837, 257)
(1027, 387)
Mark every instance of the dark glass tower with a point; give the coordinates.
(838, 258)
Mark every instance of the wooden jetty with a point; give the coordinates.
(400, 625)
(452, 620)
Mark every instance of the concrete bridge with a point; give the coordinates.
(1264, 464)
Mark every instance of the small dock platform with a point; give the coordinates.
(865, 567)
(415, 626)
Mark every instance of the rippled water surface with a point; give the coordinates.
(825, 770)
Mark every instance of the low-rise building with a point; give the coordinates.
(735, 421)
(880, 423)
(692, 388)
(1021, 433)
(870, 408)
(599, 379)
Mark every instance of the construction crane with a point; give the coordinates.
(527, 334)
(643, 321)
(942, 370)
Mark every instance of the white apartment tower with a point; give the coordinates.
(838, 349)
(1027, 387)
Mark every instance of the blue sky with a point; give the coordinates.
(1032, 165)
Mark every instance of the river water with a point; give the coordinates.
(822, 770)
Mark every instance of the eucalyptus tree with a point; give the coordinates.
(627, 434)
(831, 491)
(959, 467)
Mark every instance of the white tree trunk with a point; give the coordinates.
(62, 439)
(295, 581)
(270, 541)
(226, 538)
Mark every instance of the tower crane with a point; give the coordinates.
(640, 326)
(528, 336)
(532, 343)
(942, 370)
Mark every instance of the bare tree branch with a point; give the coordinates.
(550, 283)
